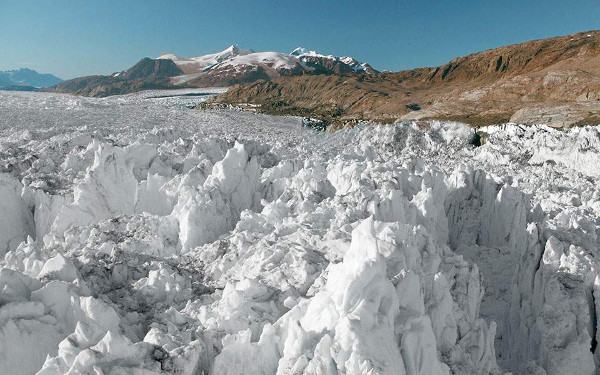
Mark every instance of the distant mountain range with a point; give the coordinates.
(228, 67)
(26, 79)
(553, 81)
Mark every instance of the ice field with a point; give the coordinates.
(139, 236)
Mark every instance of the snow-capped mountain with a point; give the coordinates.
(235, 65)
(27, 77)
(234, 56)
(552, 81)
(196, 64)
(339, 65)
(231, 66)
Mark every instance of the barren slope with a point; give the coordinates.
(554, 81)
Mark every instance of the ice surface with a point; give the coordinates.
(144, 237)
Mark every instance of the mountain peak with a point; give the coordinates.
(330, 63)
(22, 70)
(224, 68)
(299, 51)
(169, 56)
(229, 52)
(232, 49)
(27, 77)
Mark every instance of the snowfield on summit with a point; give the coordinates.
(138, 236)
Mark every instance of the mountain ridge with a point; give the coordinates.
(26, 77)
(554, 81)
(231, 66)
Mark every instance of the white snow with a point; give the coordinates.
(239, 59)
(232, 57)
(204, 62)
(275, 60)
(304, 54)
(145, 237)
(301, 51)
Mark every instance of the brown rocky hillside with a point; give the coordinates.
(554, 81)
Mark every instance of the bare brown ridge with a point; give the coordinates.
(554, 81)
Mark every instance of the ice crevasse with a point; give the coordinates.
(216, 256)
(387, 307)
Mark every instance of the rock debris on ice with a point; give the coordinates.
(142, 237)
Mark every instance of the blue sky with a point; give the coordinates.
(75, 37)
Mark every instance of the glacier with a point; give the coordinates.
(139, 236)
